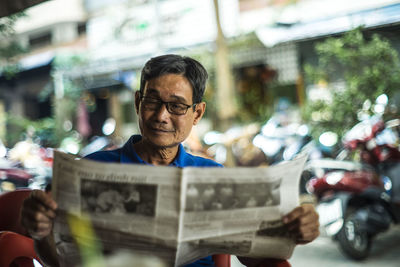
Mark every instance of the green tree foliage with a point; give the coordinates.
(41, 131)
(9, 48)
(257, 89)
(369, 67)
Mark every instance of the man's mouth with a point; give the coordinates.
(157, 129)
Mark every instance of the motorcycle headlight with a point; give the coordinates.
(387, 183)
(334, 177)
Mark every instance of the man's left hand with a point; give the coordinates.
(303, 223)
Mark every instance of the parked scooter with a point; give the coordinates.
(12, 178)
(25, 165)
(359, 200)
(281, 138)
(283, 141)
(234, 147)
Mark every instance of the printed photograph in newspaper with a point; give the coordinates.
(102, 197)
(227, 196)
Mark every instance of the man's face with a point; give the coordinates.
(159, 127)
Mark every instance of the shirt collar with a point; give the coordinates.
(180, 159)
(129, 154)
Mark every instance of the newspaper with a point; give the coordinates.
(176, 214)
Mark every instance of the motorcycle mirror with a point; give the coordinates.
(380, 104)
(392, 123)
(3, 150)
(382, 99)
(328, 139)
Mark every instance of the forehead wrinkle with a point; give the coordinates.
(177, 97)
(152, 91)
(174, 83)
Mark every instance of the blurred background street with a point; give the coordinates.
(324, 252)
(286, 78)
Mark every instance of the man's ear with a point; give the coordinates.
(137, 101)
(199, 112)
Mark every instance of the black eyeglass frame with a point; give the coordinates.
(167, 104)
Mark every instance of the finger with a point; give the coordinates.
(50, 213)
(307, 237)
(41, 217)
(306, 232)
(298, 212)
(44, 227)
(38, 208)
(40, 234)
(304, 228)
(307, 220)
(33, 211)
(36, 221)
(44, 198)
(36, 211)
(37, 229)
(39, 200)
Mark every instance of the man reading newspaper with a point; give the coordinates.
(168, 104)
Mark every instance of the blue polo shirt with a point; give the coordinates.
(128, 155)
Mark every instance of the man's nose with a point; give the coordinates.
(162, 112)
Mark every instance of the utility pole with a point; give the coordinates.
(226, 104)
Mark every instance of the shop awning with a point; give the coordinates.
(370, 18)
(36, 61)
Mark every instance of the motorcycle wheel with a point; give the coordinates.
(354, 241)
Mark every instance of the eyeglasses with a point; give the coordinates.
(175, 108)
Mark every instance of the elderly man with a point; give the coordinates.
(168, 104)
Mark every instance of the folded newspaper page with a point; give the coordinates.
(176, 214)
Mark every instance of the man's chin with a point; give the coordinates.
(161, 142)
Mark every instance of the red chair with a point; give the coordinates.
(16, 247)
(16, 250)
(10, 210)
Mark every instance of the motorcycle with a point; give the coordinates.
(26, 165)
(234, 147)
(358, 200)
(285, 141)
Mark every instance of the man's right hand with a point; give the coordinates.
(37, 214)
